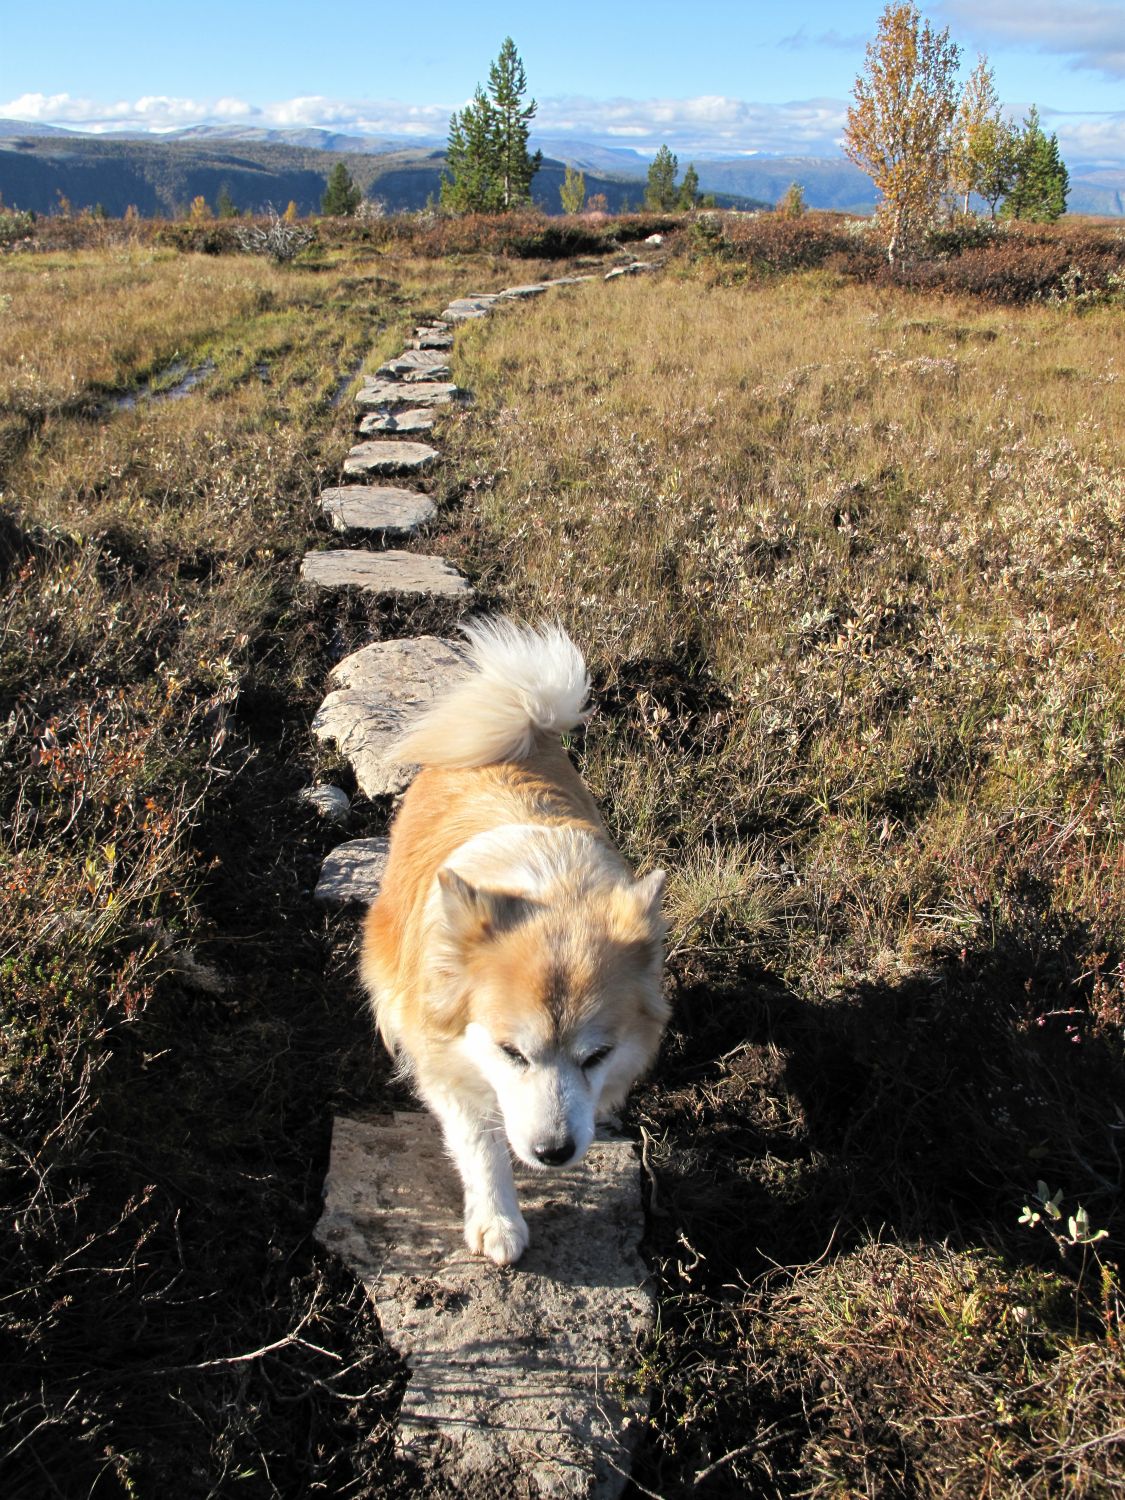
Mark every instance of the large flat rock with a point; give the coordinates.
(387, 572)
(523, 1380)
(352, 873)
(378, 692)
(436, 337)
(634, 268)
(477, 305)
(416, 364)
(522, 293)
(410, 419)
(389, 457)
(375, 394)
(376, 507)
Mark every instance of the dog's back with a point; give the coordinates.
(491, 757)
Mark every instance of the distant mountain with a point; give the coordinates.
(162, 176)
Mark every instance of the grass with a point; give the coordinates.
(844, 558)
(846, 562)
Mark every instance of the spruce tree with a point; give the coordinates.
(489, 168)
(225, 206)
(1041, 180)
(660, 193)
(515, 166)
(341, 196)
(689, 188)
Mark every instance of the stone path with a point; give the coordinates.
(389, 458)
(384, 573)
(376, 692)
(369, 507)
(522, 1379)
(378, 395)
(413, 419)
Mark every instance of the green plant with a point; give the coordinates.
(341, 196)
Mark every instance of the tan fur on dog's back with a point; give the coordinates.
(444, 810)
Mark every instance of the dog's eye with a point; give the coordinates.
(515, 1054)
(595, 1058)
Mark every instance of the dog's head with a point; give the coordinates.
(559, 1002)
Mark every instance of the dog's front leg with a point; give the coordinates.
(494, 1225)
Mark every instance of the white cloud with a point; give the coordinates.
(1092, 36)
(708, 124)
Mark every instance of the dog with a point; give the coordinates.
(512, 959)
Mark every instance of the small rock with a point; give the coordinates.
(389, 458)
(386, 393)
(370, 507)
(655, 239)
(378, 692)
(352, 873)
(331, 802)
(414, 419)
(384, 573)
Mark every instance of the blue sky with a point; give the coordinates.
(721, 75)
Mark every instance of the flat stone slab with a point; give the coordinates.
(384, 573)
(373, 507)
(378, 692)
(375, 394)
(478, 305)
(433, 338)
(521, 293)
(523, 1381)
(412, 419)
(389, 458)
(416, 364)
(352, 873)
(634, 268)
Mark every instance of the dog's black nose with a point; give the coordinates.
(554, 1156)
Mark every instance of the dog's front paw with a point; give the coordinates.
(502, 1239)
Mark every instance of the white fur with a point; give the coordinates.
(526, 682)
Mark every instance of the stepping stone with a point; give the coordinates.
(352, 873)
(377, 393)
(373, 507)
(521, 293)
(389, 458)
(378, 692)
(570, 280)
(634, 268)
(414, 419)
(523, 1380)
(384, 573)
(479, 305)
(416, 364)
(433, 338)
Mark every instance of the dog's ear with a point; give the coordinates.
(636, 914)
(471, 912)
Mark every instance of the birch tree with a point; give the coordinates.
(898, 128)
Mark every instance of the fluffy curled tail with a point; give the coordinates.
(528, 682)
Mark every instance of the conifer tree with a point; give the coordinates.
(489, 168)
(573, 191)
(515, 166)
(225, 206)
(660, 193)
(688, 196)
(1041, 180)
(341, 196)
(897, 129)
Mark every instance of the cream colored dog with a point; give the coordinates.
(512, 960)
